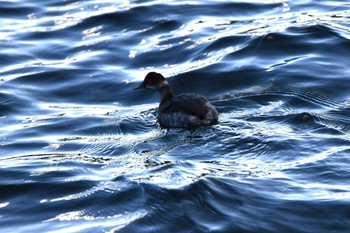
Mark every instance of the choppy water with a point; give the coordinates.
(80, 151)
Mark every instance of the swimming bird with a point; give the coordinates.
(188, 110)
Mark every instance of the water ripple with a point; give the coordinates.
(81, 151)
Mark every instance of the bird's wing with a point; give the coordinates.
(191, 104)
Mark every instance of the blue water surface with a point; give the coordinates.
(80, 151)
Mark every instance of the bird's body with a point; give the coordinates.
(187, 111)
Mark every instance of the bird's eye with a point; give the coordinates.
(149, 82)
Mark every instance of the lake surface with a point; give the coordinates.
(80, 151)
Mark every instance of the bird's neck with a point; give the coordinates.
(165, 92)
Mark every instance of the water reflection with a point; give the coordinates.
(76, 141)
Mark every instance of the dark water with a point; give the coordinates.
(80, 150)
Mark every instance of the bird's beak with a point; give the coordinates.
(142, 86)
